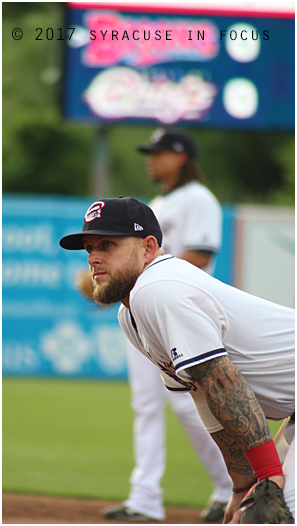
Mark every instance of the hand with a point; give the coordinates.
(233, 513)
(240, 481)
(236, 517)
(265, 505)
(84, 284)
(232, 509)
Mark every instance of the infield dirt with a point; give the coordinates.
(36, 509)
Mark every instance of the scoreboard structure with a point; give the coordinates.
(204, 66)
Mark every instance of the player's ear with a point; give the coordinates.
(181, 158)
(151, 246)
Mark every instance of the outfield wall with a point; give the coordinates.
(49, 329)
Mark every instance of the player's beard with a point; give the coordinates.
(118, 286)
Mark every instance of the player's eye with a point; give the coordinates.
(107, 244)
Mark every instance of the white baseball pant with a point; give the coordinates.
(149, 396)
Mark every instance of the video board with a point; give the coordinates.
(206, 68)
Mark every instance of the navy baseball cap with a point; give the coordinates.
(170, 140)
(120, 216)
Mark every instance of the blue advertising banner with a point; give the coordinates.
(170, 65)
(48, 328)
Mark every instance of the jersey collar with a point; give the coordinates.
(159, 259)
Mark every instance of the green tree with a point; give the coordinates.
(41, 152)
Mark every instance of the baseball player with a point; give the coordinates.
(172, 161)
(232, 351)
(191, 221)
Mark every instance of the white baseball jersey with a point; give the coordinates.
(180, 316)
(190, 218)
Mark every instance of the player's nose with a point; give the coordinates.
(94, 257)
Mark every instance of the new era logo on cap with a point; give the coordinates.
(137, 227)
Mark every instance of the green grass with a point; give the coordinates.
(74, 438)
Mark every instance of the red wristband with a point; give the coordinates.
(265, 461)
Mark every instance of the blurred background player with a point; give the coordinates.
(191, 221)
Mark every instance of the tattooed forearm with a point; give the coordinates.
(233, 453)
(232, 401)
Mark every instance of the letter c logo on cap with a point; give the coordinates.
(94, 211)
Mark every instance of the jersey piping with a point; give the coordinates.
(184, 389)
(160, 261)
(201, 358)
(133, 321)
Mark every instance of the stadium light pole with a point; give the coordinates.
(100, 169)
